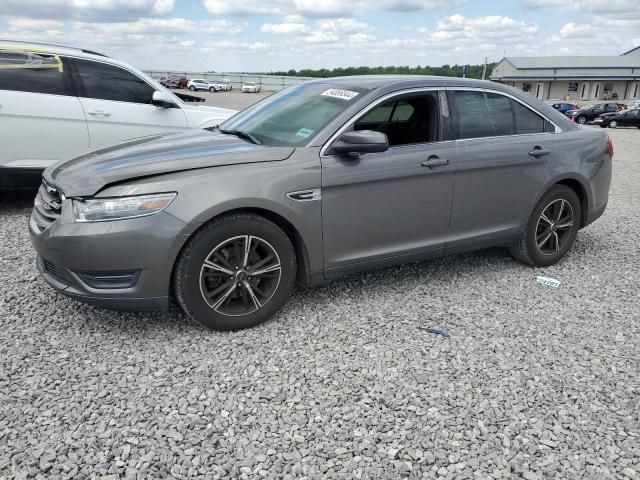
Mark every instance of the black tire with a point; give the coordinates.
(212, 89)
(602, 125)
(527, 249)
(581, 119)
(193, 280)
(192, 88)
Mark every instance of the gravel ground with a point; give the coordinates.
(533, 382)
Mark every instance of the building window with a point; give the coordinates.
(573, 86)
(526, 87)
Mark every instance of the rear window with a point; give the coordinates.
(24, 71)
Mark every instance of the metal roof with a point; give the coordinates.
(571, 62)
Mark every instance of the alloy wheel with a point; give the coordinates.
(613, 124)
(582, 120)
(240, 275)
(553, 229)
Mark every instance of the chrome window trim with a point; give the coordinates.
(369, 107)
(508, 95)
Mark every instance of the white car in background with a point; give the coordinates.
(57, 103)
(201, 84)
(226, 85)
(250, 87)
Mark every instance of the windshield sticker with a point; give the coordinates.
(341, 94)
(304, 132)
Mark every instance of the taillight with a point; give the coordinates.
(610, 146)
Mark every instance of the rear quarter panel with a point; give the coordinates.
(582, 154)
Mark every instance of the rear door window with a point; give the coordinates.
(109, 82)
(483, 114)
(24, 71)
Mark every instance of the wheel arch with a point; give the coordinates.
(581, 191)
(303, 270)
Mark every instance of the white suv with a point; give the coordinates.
(199, 84)
(60, 102)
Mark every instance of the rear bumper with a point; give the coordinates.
(594, 215)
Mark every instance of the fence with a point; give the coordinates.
(271, 83)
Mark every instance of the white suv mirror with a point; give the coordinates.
(163, 99)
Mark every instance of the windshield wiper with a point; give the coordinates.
(240, 134)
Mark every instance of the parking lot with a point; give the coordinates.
(234, 99)
(533, 382)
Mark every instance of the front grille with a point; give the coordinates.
(48, 206)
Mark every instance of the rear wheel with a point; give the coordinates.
(212, 89)
(551, 229)
(235, 273)
(192, 88)
(613, 124)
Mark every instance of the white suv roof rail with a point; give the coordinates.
(50, 45)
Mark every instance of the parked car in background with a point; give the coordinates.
(319, 180)
(200, 84)
(634, 105)
(250, 87)
(174, 81)
(563, 107)
(226, 85)
(589, 113)
(626, 118)
(61, 102)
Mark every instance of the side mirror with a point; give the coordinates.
(361, 141)
(163, 99)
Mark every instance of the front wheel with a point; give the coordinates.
(192, 88)
(613, 124)
(212, 89)
(582, 119)
(235, 272)
(551, 229)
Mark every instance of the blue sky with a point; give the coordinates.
(265, 35)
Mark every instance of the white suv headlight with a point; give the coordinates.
(119, 208)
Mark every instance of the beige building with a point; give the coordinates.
(582, 79)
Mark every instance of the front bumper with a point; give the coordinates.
(70, 253)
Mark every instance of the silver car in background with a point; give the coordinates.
(322, 179)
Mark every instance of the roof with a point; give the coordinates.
(578, 62)
(376, 81)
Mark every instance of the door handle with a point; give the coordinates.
(99, 113)
(435, 161)
(539, 152)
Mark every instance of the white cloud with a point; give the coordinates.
(460, 29)
(285, 28)
(322, 8)
(591, 6)
(86, 10)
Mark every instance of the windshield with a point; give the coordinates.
(294, 116)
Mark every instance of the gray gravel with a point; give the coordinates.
(533, 382)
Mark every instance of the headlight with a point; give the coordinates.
(105, 209)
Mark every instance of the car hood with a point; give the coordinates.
(86, 175)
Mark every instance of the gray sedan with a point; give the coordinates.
(322, 179)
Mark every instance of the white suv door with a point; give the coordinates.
(41, 119)
(118, 104)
